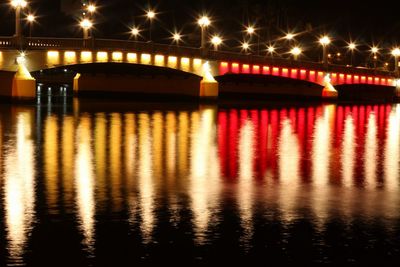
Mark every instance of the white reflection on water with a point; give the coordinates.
(84, 182)
(246, 175)
(348, 151)
(289, 170)
(145, 179)
(371, 151)
(19, 187)
(204, 175)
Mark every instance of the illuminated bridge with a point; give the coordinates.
(308, 78)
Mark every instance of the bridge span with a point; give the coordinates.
(18, 57)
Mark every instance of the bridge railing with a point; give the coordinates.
(39, 43)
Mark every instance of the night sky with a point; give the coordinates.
(343, 20)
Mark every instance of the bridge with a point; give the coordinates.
(23, 55)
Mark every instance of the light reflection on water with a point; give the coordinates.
(214, 175)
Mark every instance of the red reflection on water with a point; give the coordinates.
(346, 136)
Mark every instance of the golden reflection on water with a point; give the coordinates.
(19, 186)
(348, 151)
(51, 147)
(204, 187)
(85, 181)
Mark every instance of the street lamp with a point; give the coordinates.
(150, 16)
(18, 6)
(250, 30)
(375, 51)
(203, 22)
(396, 54)
(352, 46)
(31, 19)
(296, 51)
(216, 41)
(176, 37)
(325, 41)
(245, 46)
(271, 50)
(135, 32)
(86, 24)
(91, 8)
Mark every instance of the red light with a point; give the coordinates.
(235, 67)
(333, 78)
(363, 79)
(349, 79)
(320, 77)
(370, 80)
(266, 70)
(275, 71)
(303, 74)
(341, 78)
(223, 68)
(245, 68)
(285, 72)
(356, 79)
(377, 81)
(256, 69)
(383, 81)
(293, 74)
(312, 77)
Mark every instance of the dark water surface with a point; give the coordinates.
(152, 185)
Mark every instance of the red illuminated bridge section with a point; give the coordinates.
(311, 75)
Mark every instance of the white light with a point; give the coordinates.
(352, 46)
(327, 78)
(396, 52)
(396, 83)
(30, 18)
(271, 49)
(91, 8)
(374, 49)
(325, 40)
(21, 58)
(245, 46)
(86, 24)
(250, 30)
(135, 31)
(177, 37)
(204, 21)
(289, 36)
(151, 14)
(216, 40)
(296, 51)
(19, 3)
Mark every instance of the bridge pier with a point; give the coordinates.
(329, 92)
(23, 85)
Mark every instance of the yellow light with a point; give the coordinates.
(204, 21)
(102, 56)
(70, 57)
(86, 24)
(159, 60)
(30, 18)
(117, 56)
(145, 59)
(185, 63)
(19, 3)
(245, 46)
(207, 75)
(91, 8)
(53, 57)
(132, 57)
(325, 40)
(172, 61)
(396, 52)
(197, 63)
(296, 51)
(86, 56)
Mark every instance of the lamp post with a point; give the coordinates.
(135, 32)
(325, 41)
(18, 6)
(296, 51)
(176, 38)
(203, 22)
(396, 54)
(374, 51)
(250, 30)
(150, 16)
(216, 41)
(31, 19)
(271, 50)
(352, 46)
(86, 24)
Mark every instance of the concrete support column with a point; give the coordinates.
(24, 85)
